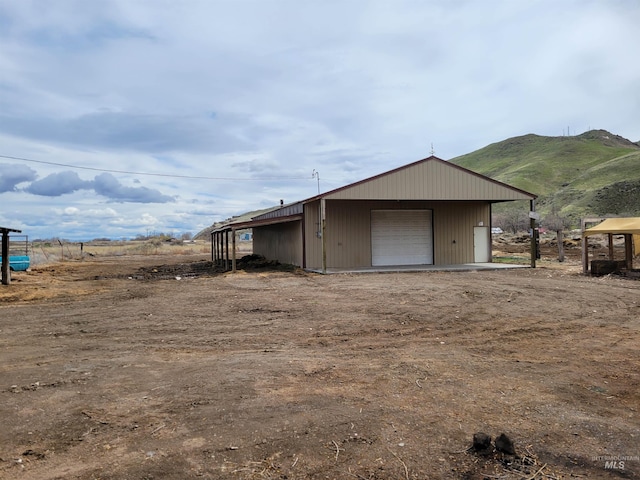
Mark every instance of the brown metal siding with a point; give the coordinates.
(453, 224)
(348, 231)
(313, 243)
(282, 242)
(432, 180)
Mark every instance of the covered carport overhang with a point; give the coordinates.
(223, 249)
(628, 227)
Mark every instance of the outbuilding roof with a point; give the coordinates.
(428, 179)
(616, 226)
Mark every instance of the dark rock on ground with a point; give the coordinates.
(481, 442)
(505, 445)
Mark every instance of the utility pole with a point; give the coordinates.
(316, 174)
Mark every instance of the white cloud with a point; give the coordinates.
(148, 219)
(95, 213)
(71, 211)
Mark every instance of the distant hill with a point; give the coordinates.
(596, 173)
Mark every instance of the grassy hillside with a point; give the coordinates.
(596, 173)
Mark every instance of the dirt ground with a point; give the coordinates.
(149, 367)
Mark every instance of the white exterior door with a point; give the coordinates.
(401, 237)
(481, 245)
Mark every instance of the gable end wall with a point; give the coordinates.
(348, 230)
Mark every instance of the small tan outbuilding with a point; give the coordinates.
(430, 212)
(629, 227)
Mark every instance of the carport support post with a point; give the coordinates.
(233, 250)
(214, 246)
(218, 253)
(6, 269)
(532, 224)
(226, 244)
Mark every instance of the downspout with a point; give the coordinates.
(304, 239)
(490, 232)
(323, 226)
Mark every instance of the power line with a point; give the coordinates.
(108, 170)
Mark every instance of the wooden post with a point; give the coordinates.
(532, 226)
(585, 247)
(6, 268)
(610, 236)
(628, 251)
(6, 261)
(560, 240)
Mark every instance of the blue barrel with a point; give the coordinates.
(18, 262)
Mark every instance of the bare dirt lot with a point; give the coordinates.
(143, 367)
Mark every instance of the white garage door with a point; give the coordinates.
(401, 237)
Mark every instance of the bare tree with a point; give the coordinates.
(557, 224)
(512, 219)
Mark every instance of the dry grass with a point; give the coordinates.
(49, 252)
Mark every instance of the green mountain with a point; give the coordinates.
(596, 173)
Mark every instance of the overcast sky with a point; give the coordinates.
(229, 106)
